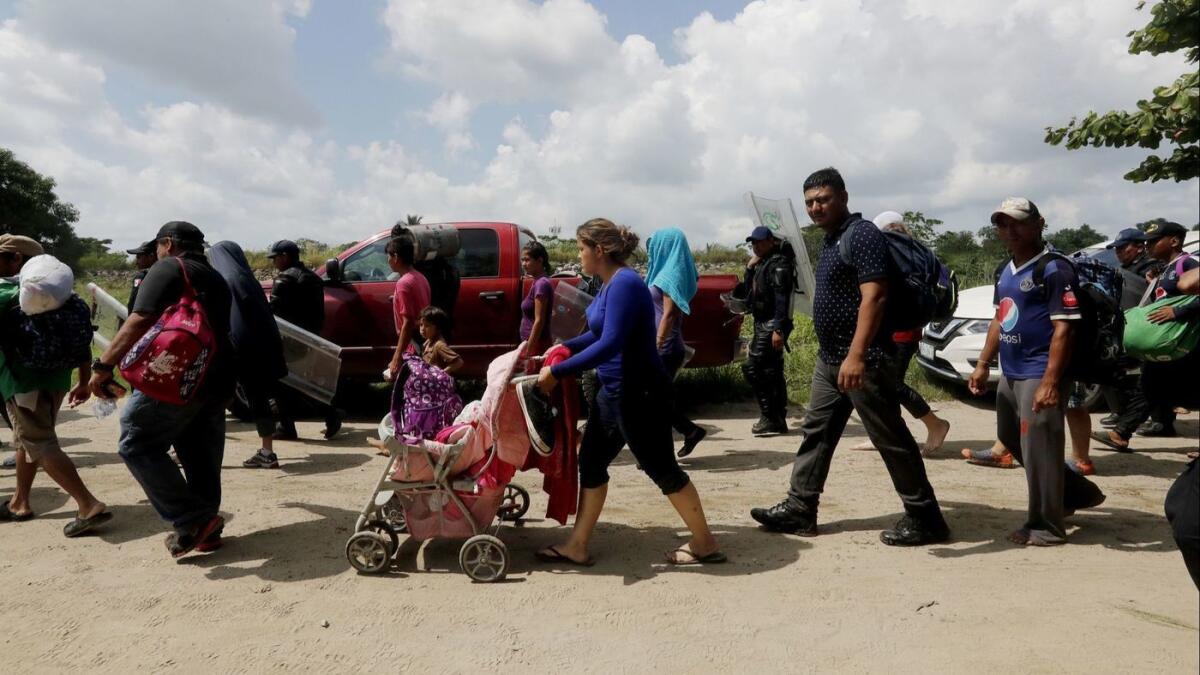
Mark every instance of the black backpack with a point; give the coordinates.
(53, 340)
(1097, 351)
(921, 288)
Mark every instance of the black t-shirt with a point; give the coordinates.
(163, 286)
(837, 296)
(138, 278)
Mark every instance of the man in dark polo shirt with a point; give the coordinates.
(849, 376)
(149, 428)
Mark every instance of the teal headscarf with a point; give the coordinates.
(672, 267)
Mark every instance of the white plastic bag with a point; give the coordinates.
(46, 283)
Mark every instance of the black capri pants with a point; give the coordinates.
(640, 418)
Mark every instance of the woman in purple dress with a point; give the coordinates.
(535, 308)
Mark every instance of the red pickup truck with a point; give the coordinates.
(358, 303)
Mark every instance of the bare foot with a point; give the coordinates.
(937, 436)
(380, 448)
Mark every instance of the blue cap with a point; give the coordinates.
(760, 233)
(1129, 235)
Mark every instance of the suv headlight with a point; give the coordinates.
(975, 327)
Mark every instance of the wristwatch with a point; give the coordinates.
(102, 366)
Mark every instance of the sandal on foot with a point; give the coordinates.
(6, 513)
(1081, 468)
(689, 444)
(1103, 437)
(714, 558)
(551, 554)
(212, 543)
(986, 458)
(78, 526)
(180, 544)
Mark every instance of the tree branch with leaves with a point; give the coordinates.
(1172, 114)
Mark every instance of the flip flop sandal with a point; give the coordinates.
(986, 458)
(179, 545)
(1102, 437)
(1081, 468)
(78, 526)
(714, 558)
(6, 513)
(551, 554)
(690, 443)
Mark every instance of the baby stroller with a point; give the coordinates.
(455, 487)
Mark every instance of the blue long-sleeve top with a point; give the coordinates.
(619, 342)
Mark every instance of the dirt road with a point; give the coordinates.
(280, 595)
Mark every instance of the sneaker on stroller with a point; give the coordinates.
(455, 485)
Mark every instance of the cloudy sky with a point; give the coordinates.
(258, 119)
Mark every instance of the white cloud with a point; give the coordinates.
(505, 50)
(451, 113)
(234, 53)
(923, 105)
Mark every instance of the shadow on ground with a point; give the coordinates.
(985, 528)
(632, 553)
(309, 549)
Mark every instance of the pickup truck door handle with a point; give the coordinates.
(492, 296)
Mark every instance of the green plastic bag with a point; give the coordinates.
(1160, 341)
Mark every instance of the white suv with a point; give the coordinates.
(950, 349)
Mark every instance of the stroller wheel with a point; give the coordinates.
(515, 504)
(368, 552)
(385, 528)
(392, 512)
(484, 558)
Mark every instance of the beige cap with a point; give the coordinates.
(1017, 208)
(18, 243)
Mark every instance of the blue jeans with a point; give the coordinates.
(197, 430)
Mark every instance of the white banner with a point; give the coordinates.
(779, 217)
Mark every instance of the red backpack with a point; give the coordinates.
(170, 361)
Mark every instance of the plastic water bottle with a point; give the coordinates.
(103, 407)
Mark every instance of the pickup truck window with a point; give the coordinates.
(478, 255)
(368, 264)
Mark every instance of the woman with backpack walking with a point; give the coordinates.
(258, 349)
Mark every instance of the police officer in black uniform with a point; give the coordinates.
(298, 297)
(768, 286)
(143, 257)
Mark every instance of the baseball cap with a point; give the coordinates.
(1164, 228)
(760, 233)
(180, 230)
(283, 246)
(19, 243)
(147, 248)
(1129, 235)
(887, 218)
(1017, 208)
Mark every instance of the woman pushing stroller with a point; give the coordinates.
(620, 343)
